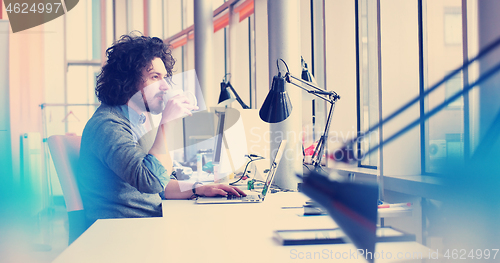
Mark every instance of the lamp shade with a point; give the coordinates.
(277, 106)
(306, 75)
(224, 93)
(225, 97)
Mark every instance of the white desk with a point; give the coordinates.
(215, 233)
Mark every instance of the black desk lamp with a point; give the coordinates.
(277, 106)
(306, 75)
(225, 97)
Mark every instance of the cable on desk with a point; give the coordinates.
(246, 166)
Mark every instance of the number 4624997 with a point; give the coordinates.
(25, 8)
(470, 254)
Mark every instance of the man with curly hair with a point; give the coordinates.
(125, 166)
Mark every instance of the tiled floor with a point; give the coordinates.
(35, 240)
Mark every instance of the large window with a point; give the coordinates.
(387, 78)
(405, 47)
(84, 54)
(340, 64)
(447, 132)
(400, 83)
(368, 79)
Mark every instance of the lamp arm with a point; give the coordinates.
(329, 96)
(243, 105)
(310, 84)
(320, 147)
(313, 92)
(332, 95)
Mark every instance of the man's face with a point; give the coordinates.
(151, 90)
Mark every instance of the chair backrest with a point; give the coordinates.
(65, 151)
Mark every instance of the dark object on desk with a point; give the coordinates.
(334, 236)
(181, 172)
(352, 206)
(192, 163)
(314, 209)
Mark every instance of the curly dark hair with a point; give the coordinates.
(122, 74)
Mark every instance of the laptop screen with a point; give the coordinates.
(274, 167)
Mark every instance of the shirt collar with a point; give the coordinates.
(132, 115)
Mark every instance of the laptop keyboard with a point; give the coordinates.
(244, 198)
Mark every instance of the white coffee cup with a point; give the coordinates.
(174, 92)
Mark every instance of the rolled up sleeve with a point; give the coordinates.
(157, 169)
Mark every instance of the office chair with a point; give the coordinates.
(65, 151)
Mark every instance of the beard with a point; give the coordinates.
(155, 105)
(155, 108)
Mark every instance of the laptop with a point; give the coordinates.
(249, 198)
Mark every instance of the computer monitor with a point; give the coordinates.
(230, 146)
(219, 137)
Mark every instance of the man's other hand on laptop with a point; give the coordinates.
(219, 190)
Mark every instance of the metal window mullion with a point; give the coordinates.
(380, 177)
(325, 73)
(228, 42)
(103, 31)
(114, 21)
(250, 60)
(358, 83)
(225, 51)
(163, 15)
(421, 86)
(183, 49)
(319, 69)
(312, 66)
(253, 80)
(465, 75)
(312, 41)
(146, 17)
